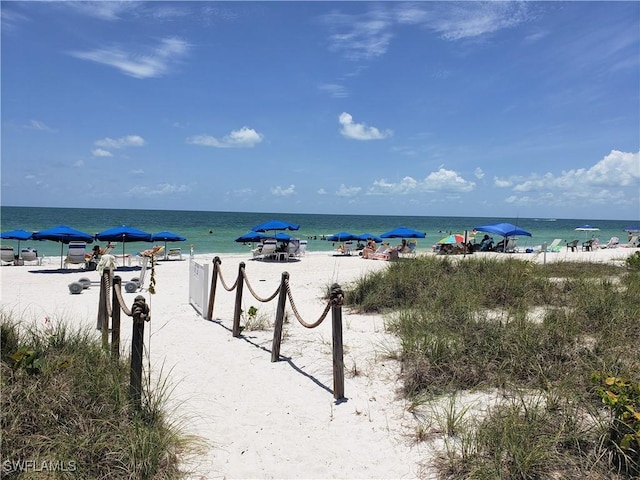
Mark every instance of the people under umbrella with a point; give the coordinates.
(487, 244)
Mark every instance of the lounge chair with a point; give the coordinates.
(632, 243)
(174, 252)
(6, 255)
(612, 243)
(30, 255)
(573, 245)
(76, 254)
(385, 252)
(554, 246)
(266, 251)
(302, 249)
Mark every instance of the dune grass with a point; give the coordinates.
(547, 337)
(66, 412)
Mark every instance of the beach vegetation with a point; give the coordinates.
(65, 406)
(537, 333)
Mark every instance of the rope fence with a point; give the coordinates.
(110, 305)
(283, 292)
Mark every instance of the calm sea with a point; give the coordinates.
(214, 232)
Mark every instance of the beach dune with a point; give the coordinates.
(261, 419)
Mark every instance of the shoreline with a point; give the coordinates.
(262, 419)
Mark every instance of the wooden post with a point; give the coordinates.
(277, 331)
(102, 300)
(238, 308)
(336, 299)
(212, 291)
(115, 320)
(140, 312)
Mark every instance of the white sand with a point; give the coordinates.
(262, 419)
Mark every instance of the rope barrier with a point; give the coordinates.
(255, 295)
(297, 314)
(224, 285)
(123, 305)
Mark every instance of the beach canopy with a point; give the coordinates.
(586, 228)
(16, 235)
(503, 229)
(402, 232)
(632, 229)
(367, 236)
(167, 237)
(63, 234)
(275, 225)
(123, 234)
(251, 237)
(342, 237)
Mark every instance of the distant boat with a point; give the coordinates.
(544, 219)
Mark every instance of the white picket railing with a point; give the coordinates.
(198, 286)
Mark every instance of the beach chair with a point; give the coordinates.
(612, 243)
(302, 249)
(174, 252)
(31, 256)
(6, 255)
(76, 254)
(267, 251)
(554, 246)
(588, 245)
(573, 245)
(632, 243)
(137, 283)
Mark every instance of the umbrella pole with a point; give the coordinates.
(61, 253)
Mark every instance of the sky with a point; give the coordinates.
(499, 109)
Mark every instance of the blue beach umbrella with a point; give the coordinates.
(275, 225)
(16, 235)
(63, 234)
(250, 237)
(165, 237)
(402, 232)
(342, 237)
(632, 229)
(124, 234)
(503, 229)
(367, 236)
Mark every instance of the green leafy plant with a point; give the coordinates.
(622, 396)
(28, 359)
(633, 261)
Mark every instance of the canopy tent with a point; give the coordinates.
(123, 234)
(275, 225)
(342, 237)
(503, 229)
(18, 235)
(63, 234)
(402, 232)
(166, 236)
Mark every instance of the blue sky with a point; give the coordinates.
(426, 108)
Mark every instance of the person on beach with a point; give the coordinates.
(370, 249)
(487, 243)
(402, 247)
(94, 257)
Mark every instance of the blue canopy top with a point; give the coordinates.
(367, 236)
(503, 229)
(342, 237)
(275, 225)
(259, 236)
(403, 232)
(16, 235)
(64, 234)
(167, 237)
(124, 234)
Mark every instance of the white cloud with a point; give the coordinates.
(38, 125)
(478, 173)
(78, 163)
(335, 90)
(157, 190)
(100, 152)
(321, 191)
(615, 178)
(502, 182)
(102, 10)
(243, 138)
(359, 131)
(156, 62)
(283, 191)
(122, 142)
(442, 180)
(345, 191)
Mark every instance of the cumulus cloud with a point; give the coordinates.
(601, 183)
(283, 191)
(158, 190)
(345, 191)
(100, 152)
(155, 62)
(244, 138)
(442, 180)
(321, 191)
(38, 125)
(122, 142)
(359, 131)
(478, 173)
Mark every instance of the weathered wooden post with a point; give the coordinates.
(277, 331)
(140, 311)
(115, 319)
(212, 291)
(336, 298)
(103, 314)
(238, 307)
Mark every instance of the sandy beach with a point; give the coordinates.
(261, 419)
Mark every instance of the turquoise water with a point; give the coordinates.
(214, 232)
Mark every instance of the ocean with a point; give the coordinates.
(214, 232)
